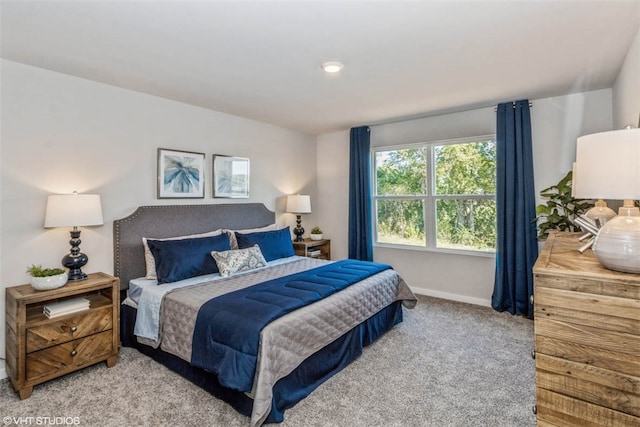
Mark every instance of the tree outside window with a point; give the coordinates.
(437, 195)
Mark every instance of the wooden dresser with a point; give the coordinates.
(40, 349)
(587, 339)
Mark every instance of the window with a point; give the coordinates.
(438, 195)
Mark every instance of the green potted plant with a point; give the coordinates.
(560, 209)
(316, 233)
(46, 278)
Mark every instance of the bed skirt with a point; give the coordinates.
(291, 389)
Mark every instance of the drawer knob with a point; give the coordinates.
(74, 328)
(533, 354)
(535, 409)
(73, 352)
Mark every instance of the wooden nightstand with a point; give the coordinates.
(308, 247)
(40, 349)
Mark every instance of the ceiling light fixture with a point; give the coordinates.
(332, 66)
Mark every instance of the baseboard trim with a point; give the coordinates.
(452, 297)
(3, 372)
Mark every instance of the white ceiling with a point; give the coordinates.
(261, 59)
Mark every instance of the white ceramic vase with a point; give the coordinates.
(49, 282)
(315, 236)
(617, 246)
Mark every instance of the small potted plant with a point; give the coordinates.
(316, 233)
(43, 279)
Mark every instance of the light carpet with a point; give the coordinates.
(447, 364)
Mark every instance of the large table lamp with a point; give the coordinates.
(609, 168)
(74, 210)
(298, 204)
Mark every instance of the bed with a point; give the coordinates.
(316, 315)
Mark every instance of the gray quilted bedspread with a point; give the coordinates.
(289, 340)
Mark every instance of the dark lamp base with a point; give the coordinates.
(298, 231)
(76, 274)
(75, 263)
(75, 260)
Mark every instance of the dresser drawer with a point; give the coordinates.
(68, 329)
(69, 356)
(588, 383)
(559, 410)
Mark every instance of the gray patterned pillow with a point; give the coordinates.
(235, 260)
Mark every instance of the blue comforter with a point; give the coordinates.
(227, 330)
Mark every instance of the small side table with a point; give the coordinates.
(41, 348)
(313, 248)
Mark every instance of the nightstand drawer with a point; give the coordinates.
(70, 328)
(69, 356)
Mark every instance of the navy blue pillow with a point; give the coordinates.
(181, 259)
(273, 244)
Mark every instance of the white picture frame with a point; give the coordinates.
(231, 176)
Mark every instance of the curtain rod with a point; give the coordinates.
(404, 119)
(514, 105)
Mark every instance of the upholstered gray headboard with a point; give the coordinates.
(176, 220)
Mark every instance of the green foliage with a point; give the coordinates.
(460, 170)
(466, 169)
(561, 208)
(316, 230)
(467, 224)
(401, 173)
(38, 271)
(401, 221)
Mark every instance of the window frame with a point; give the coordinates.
(429, 199)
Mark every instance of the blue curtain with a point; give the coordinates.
(517, 247)
(360, 230)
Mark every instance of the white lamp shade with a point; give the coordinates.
(298, 204)
(608, 166)
(71, 210)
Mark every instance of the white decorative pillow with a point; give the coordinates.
(236, 260)
(232, 234)
(150, 261)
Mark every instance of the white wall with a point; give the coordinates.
(556, 123)
(626, 90)
(61, 133)
(333, 194)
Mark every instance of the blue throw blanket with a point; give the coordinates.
(227, 330)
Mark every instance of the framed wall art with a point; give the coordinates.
(180, 174)
(230, 176)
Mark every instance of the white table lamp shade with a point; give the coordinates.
(298, 204)
(608, 165)
(72, 210)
